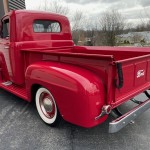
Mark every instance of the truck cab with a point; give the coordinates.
(28, 30)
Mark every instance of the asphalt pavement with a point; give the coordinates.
(22, 129)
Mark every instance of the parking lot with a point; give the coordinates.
(22, 129)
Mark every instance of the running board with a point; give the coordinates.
(19, 91)
(125, 119)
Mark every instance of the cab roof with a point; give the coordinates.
(35, 12)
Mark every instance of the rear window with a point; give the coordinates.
(46, 26)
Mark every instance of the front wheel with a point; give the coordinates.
(46, 107)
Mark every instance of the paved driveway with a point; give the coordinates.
(22, 129)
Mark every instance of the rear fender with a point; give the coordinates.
(78, 92)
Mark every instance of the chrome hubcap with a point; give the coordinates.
(47, 105)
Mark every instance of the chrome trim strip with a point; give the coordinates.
(122, 121)
(7, 83)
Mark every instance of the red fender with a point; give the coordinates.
(78, 92)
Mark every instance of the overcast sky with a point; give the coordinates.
(132, 10)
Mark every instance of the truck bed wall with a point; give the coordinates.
(96, 65)
(119, 53)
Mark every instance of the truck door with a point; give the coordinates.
(5, 43)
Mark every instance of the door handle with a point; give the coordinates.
(6, 47)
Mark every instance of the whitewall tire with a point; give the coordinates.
(46, 107)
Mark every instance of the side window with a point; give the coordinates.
(46, 26)
(54, 27)
(38, 27)
(5, 28)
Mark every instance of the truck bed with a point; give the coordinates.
(103, 61)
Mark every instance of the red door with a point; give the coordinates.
(5, 43)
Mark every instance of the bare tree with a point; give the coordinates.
(148, 25)
(144, 25)
(111, 24)
(56, 6)
(77, 22)
(91, 31)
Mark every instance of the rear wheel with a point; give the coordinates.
(46, 107)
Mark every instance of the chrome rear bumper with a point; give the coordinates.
(125, 119)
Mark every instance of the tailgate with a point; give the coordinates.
(136, 78)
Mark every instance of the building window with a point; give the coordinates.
(46, 26)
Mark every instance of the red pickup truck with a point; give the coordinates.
(82, 85)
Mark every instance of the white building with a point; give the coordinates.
(134, 37)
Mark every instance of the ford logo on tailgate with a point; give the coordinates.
(140, 73)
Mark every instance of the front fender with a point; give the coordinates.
(78, 92)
